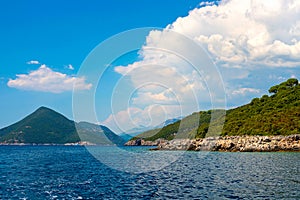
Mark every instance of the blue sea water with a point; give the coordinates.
(71, 172)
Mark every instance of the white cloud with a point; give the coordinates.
(134, 117)
(247, 32)
(241, 37)
(244, 91)
(166, 97)
(70, 67)
(207, 3)
(33, 62)
(46, 80)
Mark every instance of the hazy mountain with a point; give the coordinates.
(137, 130)
(125, 136)
(169, 121)
(141, 129)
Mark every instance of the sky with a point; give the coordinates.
(136, 63)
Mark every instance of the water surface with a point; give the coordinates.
(71, 172)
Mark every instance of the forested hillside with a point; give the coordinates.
(274, 114)
(277, 114)
(46, 126)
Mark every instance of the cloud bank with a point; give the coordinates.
(45, 79)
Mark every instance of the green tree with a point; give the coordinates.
(202, 130)
(292, 82)
(274, 89)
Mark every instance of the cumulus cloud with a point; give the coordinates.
(134, 117)
(33, 62)
(247, 33)
(244, 91)
(46, 80)
(70, 67)
(206, 3)
(243, 39)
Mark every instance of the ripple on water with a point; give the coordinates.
(57, 172)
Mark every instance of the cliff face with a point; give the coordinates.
(235, 143)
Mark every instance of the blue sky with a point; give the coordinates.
(251, 46)
(59, 33)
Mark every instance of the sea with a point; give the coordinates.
(78, 172)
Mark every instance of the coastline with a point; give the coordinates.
(244, 143)
(81, 143)
(228, 144)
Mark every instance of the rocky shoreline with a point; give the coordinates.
(227, 143)
(142, 142)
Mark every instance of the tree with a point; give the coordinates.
(274, 89)
(264, 98)
(254, 101)
(202, 130)
(292, 82)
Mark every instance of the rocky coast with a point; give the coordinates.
(142, 142)
(226, 143)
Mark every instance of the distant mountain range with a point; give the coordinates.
(46, 126)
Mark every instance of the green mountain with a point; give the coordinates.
(277, 114)
(98, 134)
(48, 126)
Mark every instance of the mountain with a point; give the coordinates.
(166, 123)
(277, 114)
(48, 126)
(125, 136)
(169, 121)
(137, 130)
(142, 129)
(98, 134)
(185, 128)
